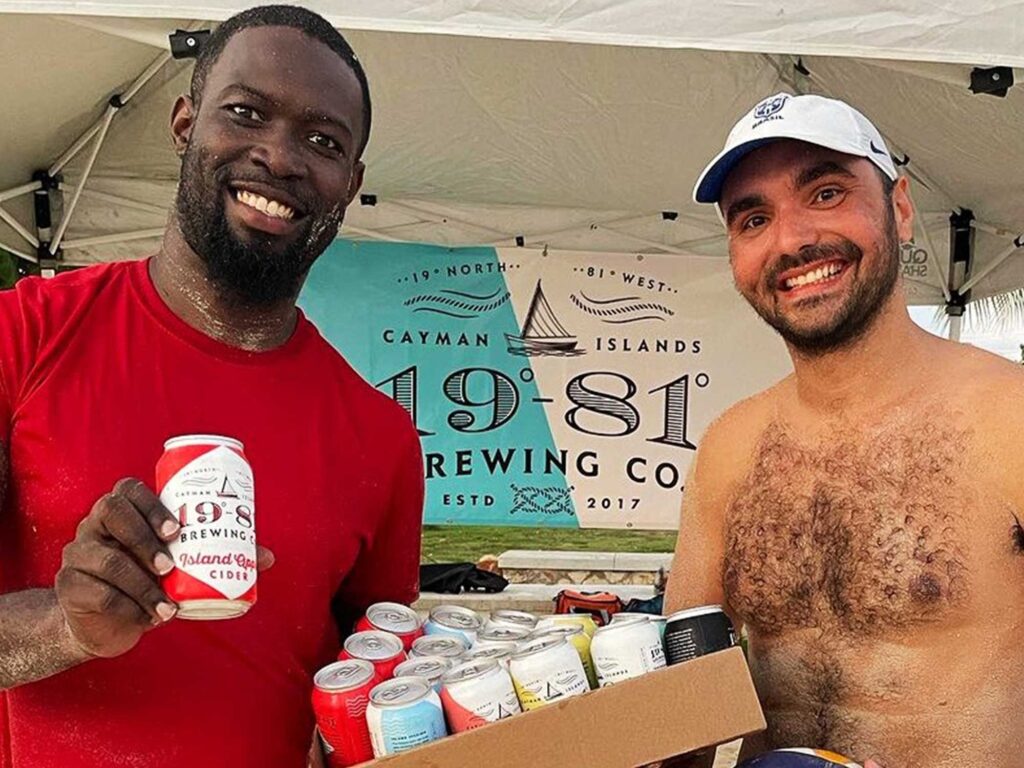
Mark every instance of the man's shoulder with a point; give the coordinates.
(368, 406)
(65, 292)
(738, 428)
(728, 443)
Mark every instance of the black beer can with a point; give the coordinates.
(697, 632)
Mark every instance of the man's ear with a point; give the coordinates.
(903, 210)
(183, 118)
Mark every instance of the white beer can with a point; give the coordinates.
(626, 649)
(546, 670)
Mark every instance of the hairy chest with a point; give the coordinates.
(866, 533)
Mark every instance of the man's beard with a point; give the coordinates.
(860, 309)
(258, 273)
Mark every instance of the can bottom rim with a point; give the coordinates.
(211, 610)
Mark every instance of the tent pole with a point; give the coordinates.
(66, 219)
(992, 265)
(954, 327)
(124, 202)
(19, 253)
(14, 224)
(961, 259)
(24, 189)
(117, 101)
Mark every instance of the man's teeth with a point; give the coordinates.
(269, 207)
(814, 276)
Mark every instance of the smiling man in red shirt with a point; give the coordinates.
(99, 367)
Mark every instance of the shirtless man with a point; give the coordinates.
(861, 518)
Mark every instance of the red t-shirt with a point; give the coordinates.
(96, 373)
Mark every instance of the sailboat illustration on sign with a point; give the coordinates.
(542, 333)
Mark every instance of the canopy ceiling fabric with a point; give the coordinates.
(573, 125)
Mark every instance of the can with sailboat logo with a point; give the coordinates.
(625, 650)
(447, 646)
(206, 483)
(581, 641)
(499, 652)
(477, 693)
(430, 668)
(454, 620)
(510, 618)
(403, 713)
(502, 633)
(547, 670)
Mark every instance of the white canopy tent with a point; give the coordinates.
(575, 124)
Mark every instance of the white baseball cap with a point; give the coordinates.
(825, 122)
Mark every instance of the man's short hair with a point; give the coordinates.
(314, 25)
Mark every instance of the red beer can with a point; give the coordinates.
(206, 483)
(341, 692)
(400, 620)
(382, 649)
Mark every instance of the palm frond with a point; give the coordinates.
(1002, 313)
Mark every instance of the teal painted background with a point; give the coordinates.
(366, 296)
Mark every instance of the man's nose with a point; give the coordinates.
(794, 230)
(280, 153)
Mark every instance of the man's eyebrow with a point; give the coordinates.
(249, 90)
(812, 173)
(741, 205)
(309, 115)
(316, 116)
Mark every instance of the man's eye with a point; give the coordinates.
(828, 194)
(322, 140)
(753, 222)
(246, 112)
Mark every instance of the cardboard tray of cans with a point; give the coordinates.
(676, 710)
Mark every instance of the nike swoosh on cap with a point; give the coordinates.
(876, 150)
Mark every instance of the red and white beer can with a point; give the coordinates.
(400, 620)
(382, 649)
(341, 692)
(477, 693)
(206, 483)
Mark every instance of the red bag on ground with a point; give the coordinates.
(601, 605)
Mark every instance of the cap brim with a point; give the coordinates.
(709, 185)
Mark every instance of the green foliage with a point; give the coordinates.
(8, 269)
(467, 543)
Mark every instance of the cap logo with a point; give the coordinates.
(769, 107)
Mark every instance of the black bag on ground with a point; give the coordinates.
(453, 578)
(655, 605)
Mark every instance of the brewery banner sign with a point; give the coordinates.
(549, 388)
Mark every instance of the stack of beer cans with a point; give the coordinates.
(400, 683)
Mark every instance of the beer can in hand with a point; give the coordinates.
(206, 483)
(341, 692)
